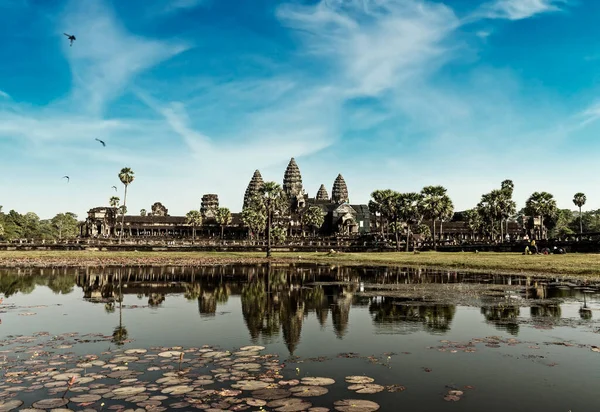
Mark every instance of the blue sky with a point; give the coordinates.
(194, 95)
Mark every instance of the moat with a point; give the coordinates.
(170, 338)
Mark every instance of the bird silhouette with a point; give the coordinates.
(115, 187)
(71, 37)
(68, 178)
(103, 144)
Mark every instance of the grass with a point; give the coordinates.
(570, 264)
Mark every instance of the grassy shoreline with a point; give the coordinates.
(587, 265)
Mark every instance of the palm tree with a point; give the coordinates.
(120, 333)
(434, 199)
(473, 219)
(254, 219)
(541, 204)
(446, 212)
(508, 206)
(143, 212)
(579, 200)
(194, 219)
(274, 200)
(114, 201)
(223, 217)
(126, 176)
(410, 212)
(313, 217)
(489, 209)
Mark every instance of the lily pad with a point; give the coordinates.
(51, 403)
(86, 398)
(308, 391)
(271, 393)
(177, 390)
(289, 405)
(170, 354)
(316, 381)
(252, 348)
(66, 376)
(135, 351)
(247, 385)
(9, 405)
(128, 390)
(355, 405)
(366, 388)
(359, 379)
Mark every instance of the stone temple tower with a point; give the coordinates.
(322, 193)
(339, 193)
(253, 187)
(292, 180)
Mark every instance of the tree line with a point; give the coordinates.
(396, 213)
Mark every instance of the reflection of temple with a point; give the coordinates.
(503, 317)
(403, 316)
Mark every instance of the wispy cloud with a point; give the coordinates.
(519, 9)
(173, 6)
(4, 95)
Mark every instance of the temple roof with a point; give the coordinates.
(339, 193)
(253, 187)
(322, 193)
(292, 179)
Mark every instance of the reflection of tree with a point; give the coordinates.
(259, 310)
(120, 333)
(292, 315)
(340, 314)
(61, 284)
(192, 291)
(155, 299)
(434, 318)
(545, 311)
(503, 317)
(11, 284)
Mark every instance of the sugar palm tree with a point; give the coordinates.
(194, 219)
(541, 204)
(434, 199)
(126, 176)
(114, 201)
(579, 199)
(410, 212)
(223, 217)
(274, 199)
(143, 212)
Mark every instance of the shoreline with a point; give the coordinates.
(572, 265)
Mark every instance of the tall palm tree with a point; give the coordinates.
(410, 212)
(489, 209)
(434, 198)
(509, 207)
(274, 199)
(126, 176)
(114, 201)
(194, 219)
(579, 199)
(223, 217)
(446, 212)
(541, 204)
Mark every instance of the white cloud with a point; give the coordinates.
(175, 5)
(4, 95)
(519, 9)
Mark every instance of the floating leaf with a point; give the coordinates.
(170, 354)
(86, 398)
(359, 379)
(9, 405)
(129, 390)
(308, 391)
(177, 390)
(355, 405)
(366, 388)
(247, 385)
(316, 381)
(289, 405)
(135, 351)
(52, 403)
(252, 348)
(271, 393)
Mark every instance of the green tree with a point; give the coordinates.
(434, 202)
(313, 218)
(381, 203)
(254, 218)
(410, 212)
(126, 176)
(473, 219)
(114, 201)
(1, 230)
(66, 224)
(194, 219)
(278, 234)
(143, 212)
(506, 205)
(579, 200)
(541, 204)
(446, 212)
(489, 207)
(223, 218)
(275, 203)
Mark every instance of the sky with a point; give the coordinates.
(194, 95)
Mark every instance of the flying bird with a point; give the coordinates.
(103, 144)
(71, 37)
(115, 187)
(68, 178)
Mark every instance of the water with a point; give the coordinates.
(402, 318)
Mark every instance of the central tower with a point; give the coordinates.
(292, 181)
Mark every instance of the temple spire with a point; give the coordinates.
(253, 187)
(339, 193)
(322, 193)
(292, 180)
